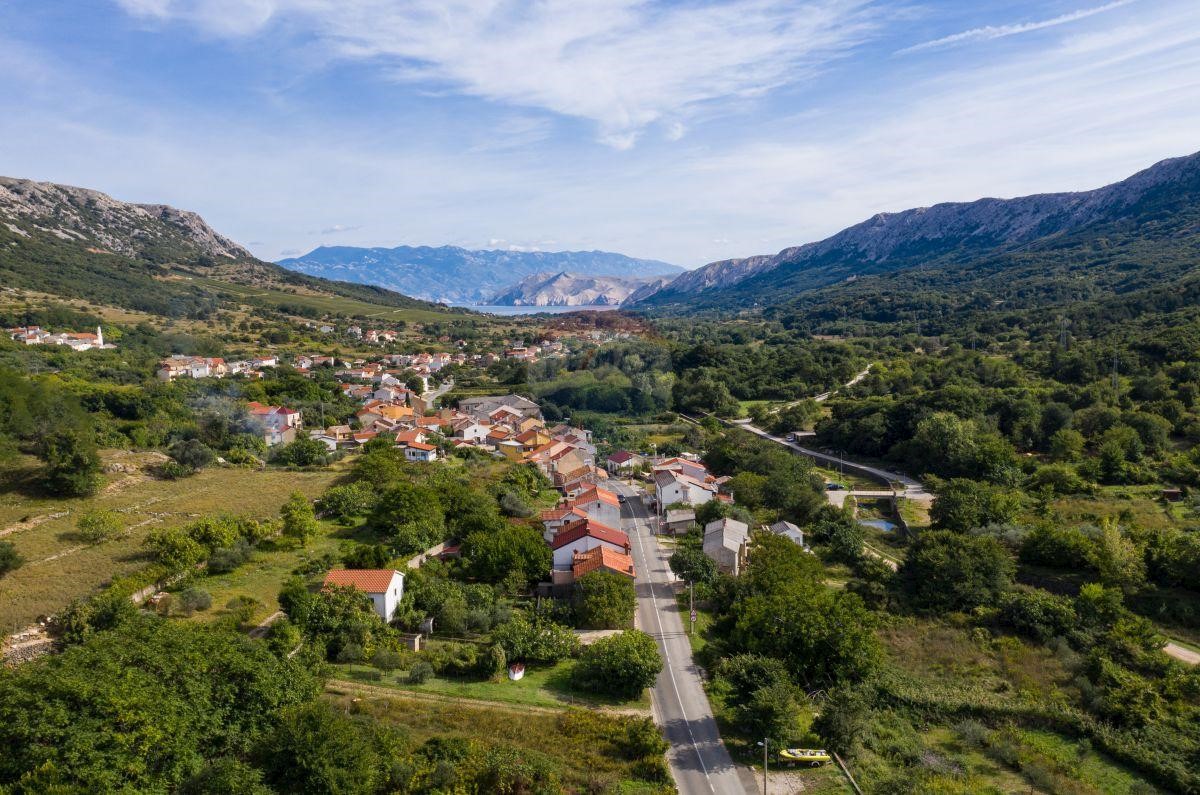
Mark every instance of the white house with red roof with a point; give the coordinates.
(279, 423)
(600, 504)
(583, 535)
(420, 452)
(384, 587)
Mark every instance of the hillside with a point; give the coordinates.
(457, 275)
(570, 289)
(82, 244)
(1026, 251)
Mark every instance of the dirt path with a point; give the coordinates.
(29, 524)
(261, 630)
(1182, 653)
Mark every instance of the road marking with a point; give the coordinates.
(667, 653)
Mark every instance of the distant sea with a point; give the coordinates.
(532, 310)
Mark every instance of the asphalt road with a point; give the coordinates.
(698, 759)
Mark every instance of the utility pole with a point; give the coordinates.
(692, 606)
(765, 744)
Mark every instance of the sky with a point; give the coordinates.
(682, 131)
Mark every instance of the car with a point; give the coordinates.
(805, 756)
(834, 487)
(622, 498)
(791, 437)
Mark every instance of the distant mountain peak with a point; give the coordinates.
(453, 274)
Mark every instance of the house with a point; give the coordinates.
(602, 559)
(678, 521)
(556, 519)
(725, 543)
(674, 486)
(582, 535)
(789, 530)
(278, 424)
(471, 431)
(419, 451)
(623, 461)
(384, 587)
(481, 407)
(600, 504)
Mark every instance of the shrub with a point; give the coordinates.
(173, 470)
(420, 673)
(9, 559)
(605, 600)
(97, 526)
(191, 453)
(194, 599)
(621, 665)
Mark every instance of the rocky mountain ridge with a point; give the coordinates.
(86, 215)
(888, 242)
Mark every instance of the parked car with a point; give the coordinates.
(834, 487)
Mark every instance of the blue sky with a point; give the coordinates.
(684, 131)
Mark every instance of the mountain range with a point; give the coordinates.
(450, 274)
(1113, 239)
(82, 244)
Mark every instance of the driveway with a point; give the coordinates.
(698, 759)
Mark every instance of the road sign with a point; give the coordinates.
(693, 616)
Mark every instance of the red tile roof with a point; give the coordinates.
(589, 527)
(597, 493)
(601, 558)
(365, 580)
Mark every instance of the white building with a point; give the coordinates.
(725, 543)
(384, 587)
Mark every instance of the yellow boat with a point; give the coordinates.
(805, 756)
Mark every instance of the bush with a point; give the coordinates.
(227, 559)
(9, 559)
(194, 599)
(946, 570)
(97, 526)
(173, 470)
(621, 665)
(420, 673)
(191, 453)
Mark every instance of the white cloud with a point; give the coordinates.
(1001, 31)
(338, 229)
(622, 64)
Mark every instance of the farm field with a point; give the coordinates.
(581, 746)
(59, 567)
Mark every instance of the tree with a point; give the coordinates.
(1117, 560)
(316, 749)
(226, 777)
(963, 505)
(299, 521)
(303, 452)
(347, 502)
(72, 464)
(538, 639)
(1066, 445)
(509, 549)
(192, 453)
(97, 526)
(770, 712)
(620, 665)
(843, 718)
(350, 654)
(746, 673)
(9, 559)
(950, 571)
(691, 564)
(604, 600)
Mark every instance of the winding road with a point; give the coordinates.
(698, 759)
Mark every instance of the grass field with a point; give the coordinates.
(1131, 505)
(59, 567)
(581, 745)
(542, 686)
(327, 304)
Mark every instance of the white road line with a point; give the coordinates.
(670, 669)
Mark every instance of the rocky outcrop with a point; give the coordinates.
(95, 218)
(569, 289)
